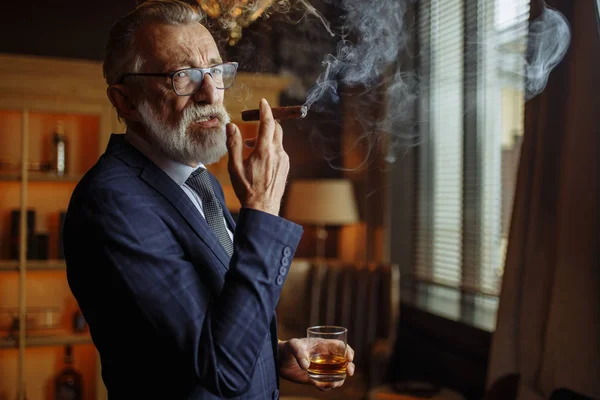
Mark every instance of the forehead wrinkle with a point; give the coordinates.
(196, 57)
(181, 46)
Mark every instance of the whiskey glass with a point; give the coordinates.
(327, 353)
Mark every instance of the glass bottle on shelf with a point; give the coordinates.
(79, 323)
(59, 164)
(69, 382)
(24, 394)
(15, 238)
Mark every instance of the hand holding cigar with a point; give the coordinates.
(290, 112)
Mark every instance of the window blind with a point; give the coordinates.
(471, 113)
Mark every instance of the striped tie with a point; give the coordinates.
(200, 182)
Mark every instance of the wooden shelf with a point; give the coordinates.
(34, 97)
(49, 340)
(33, 265)
(39, 177)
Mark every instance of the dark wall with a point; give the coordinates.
(77, 29)
(60, 28)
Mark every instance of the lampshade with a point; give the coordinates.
(322, 202)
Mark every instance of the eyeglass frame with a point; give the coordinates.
(170, 75)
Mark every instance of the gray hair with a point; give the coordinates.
(121, 55)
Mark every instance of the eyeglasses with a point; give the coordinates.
(188, 81)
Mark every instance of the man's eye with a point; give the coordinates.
(181, 74)
(217, 71)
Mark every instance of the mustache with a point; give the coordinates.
(196, 112)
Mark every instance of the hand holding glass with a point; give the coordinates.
(327, 352)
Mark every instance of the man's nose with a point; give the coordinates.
(207, 94)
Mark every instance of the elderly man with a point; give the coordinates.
(179, 299)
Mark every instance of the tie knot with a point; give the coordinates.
(197, 172)
(199, 180)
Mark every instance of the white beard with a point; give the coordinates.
(182, 142)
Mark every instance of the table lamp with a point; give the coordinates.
(322, 202)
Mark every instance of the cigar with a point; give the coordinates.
(290, 112)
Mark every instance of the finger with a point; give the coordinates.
(266, 128)
(251, 143)
(300, 352)
(234, 147)
(278, 136)
(349, 353)
(326, 386)
(350, 368)
(322, 386)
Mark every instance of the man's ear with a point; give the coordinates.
(121, 98)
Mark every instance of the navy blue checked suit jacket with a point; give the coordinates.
(170, 314)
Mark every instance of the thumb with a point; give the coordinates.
(300, 352)
(234, 147)
(303, 362)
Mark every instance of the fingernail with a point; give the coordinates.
(304, 363)
(264, 101)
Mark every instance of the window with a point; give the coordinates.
(471, 115)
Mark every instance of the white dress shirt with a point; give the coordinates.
(175, 170)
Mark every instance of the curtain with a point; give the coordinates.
(548, 324)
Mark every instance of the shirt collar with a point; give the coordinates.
(177, 171)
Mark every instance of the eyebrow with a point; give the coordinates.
(178, 63)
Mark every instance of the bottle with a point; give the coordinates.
(15, 238)
(79, 322)
(60, 149)
(69, 382)
(24, 394)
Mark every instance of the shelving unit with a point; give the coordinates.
(36, 93)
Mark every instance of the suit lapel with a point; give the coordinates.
(160, 181)
(229, 219)
(219, 193)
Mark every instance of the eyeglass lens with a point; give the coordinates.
(188, 81)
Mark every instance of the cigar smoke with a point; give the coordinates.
(374, 36)
(549, 38)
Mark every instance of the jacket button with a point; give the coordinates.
(279, 280)
(282, 271)
(287, 251)
(285, 261)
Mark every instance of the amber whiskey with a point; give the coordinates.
(327, 368)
